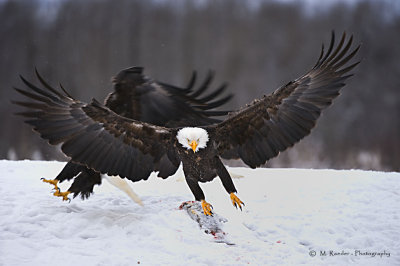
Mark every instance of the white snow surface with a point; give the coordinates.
(289, 214)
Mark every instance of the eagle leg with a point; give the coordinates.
(53, 182)
(236, 201)
(207, 208)
(64, 195)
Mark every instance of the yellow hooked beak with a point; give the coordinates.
(193, 144)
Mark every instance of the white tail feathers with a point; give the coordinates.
(124, 186)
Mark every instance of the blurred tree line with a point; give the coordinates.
(82, 44)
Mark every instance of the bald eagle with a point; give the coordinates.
(139, 97)
(96, 137)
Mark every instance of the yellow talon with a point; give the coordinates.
(236, 201)
(64, 195)
(57, 193)
(51, 181)
(206, 207)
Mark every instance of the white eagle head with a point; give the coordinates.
(193, 138)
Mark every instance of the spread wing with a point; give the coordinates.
(277, 121)
(94, 136)
(139, 97)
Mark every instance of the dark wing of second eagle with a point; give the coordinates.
(277, 121)
(141, 98)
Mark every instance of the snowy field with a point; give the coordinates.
(292, 216)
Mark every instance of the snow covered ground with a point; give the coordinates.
(292, 216)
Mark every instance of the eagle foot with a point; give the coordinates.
(207, 208)
(53, 182)
(236, 201)
(64, 195)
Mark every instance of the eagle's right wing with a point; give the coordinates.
(94, 136)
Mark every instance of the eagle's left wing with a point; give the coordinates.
(277, 121)
(94, 136)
